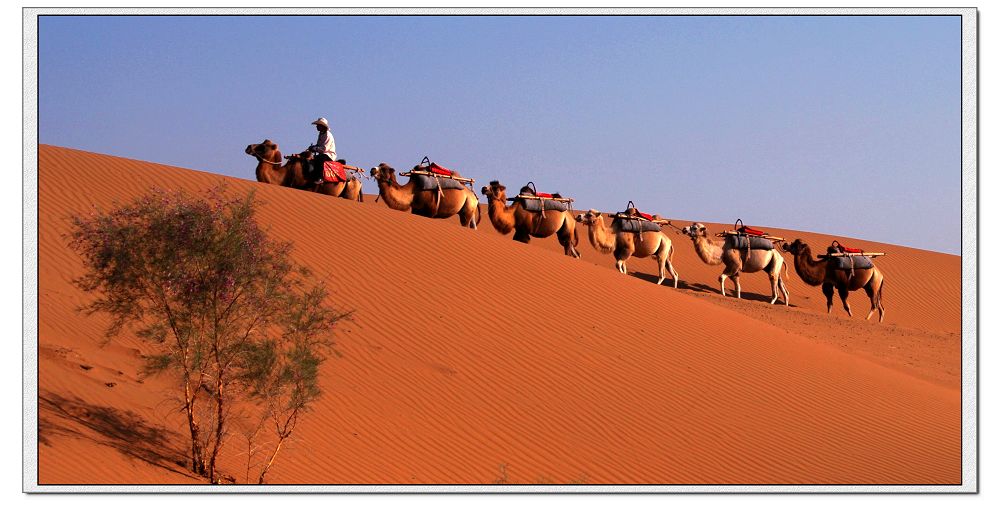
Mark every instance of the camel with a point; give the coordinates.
(624, 245)
(739, 260)
(292, 174)
(426, 203)
(526, 224)
(817, 272)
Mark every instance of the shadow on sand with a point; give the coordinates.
(122, 430)
(704, 288)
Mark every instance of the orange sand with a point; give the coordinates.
(556, 383)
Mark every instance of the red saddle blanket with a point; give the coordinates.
(440, 170)
(850, 250)
(333, 172)
(645, 215)
(543, 194)
(751, 231)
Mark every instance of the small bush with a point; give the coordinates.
(230, 315)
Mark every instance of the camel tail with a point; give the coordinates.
(576, 237)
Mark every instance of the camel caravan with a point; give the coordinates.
(436, 192)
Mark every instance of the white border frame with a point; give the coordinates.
(970, 415)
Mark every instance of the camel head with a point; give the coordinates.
(588, 218)
(383, 172)
(795, 247)
(695, 230)
(264, 150)
(495, 191)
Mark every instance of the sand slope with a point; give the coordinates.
(453, 372)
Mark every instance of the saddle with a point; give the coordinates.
(633, 221)
(425, 182)
(743, 237)
(851, 263)
(854, 261)
(756, 242)
(547, 201)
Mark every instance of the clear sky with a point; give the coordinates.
(844, 125)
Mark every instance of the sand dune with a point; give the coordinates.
(511, 357)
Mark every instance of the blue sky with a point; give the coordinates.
(844, 125)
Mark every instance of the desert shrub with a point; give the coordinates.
(231, 316)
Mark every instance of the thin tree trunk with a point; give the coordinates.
(219, 425)
(197, 460)
(270, 461)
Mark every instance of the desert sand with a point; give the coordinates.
(514, 362)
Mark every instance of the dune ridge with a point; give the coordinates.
(451, 369)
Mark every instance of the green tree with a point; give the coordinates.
(228, 311)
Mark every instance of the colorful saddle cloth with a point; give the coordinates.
(740, 242)
(334, 172)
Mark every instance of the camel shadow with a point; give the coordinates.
(122, 430)
(730, 292)
(668, 282)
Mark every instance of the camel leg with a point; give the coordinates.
(565, 236)
(465, 220)
(661, 260)
(828, 291)
(843, 292)
(775, 280)
(874, 291)
(673, 273)
(522, 235)
(620, 265)
(881, 309)
(736, 280)
(722, 282)
(784, 290)
(622, 253)
(874, 299)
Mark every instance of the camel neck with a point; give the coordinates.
(269, 172)
(600, 237)
(709, 252)
(501, 215)
(397, 197)
(811, 271)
